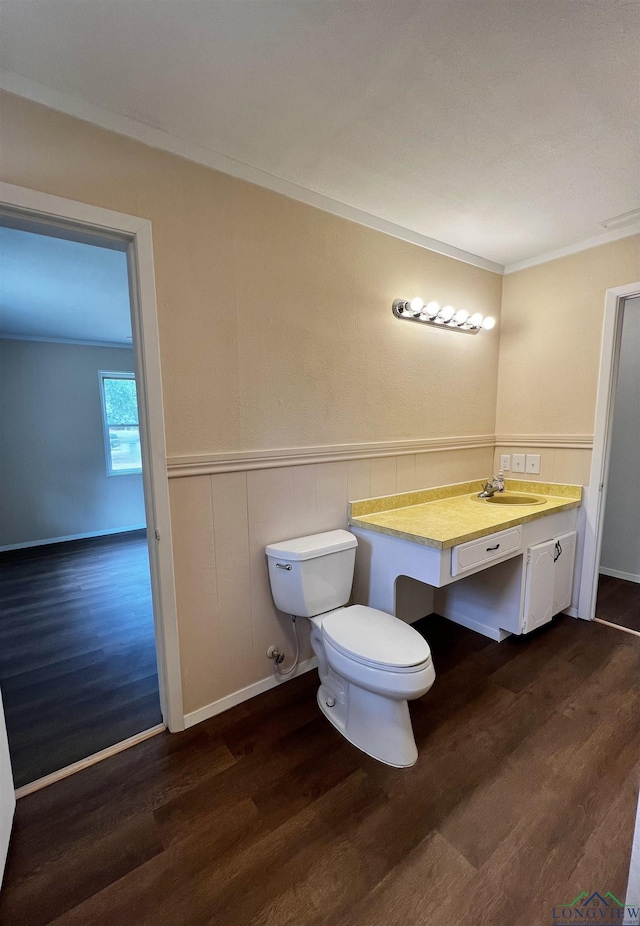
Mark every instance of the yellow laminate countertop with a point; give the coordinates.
(448, 515)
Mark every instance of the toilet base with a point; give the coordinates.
(378, 725)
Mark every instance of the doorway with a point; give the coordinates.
(618, 597)
(77, 647)
(142, 553)
(611, 564)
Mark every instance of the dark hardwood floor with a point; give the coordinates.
(619, 602)
(523, 796)
(77, 650)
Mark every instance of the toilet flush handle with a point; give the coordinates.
(286, 566)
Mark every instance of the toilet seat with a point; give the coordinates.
(376, 639)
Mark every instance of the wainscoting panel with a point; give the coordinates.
(221, 523)
(234, 658)
(557, 464)
(196, 594)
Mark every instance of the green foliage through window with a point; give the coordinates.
(120, 401)
(120, 418)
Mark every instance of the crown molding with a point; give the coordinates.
(71, 105)
(75, 342)
(604, 238)
(74, 106)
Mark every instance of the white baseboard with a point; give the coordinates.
(90, 760)
(616, 574)
(244, 694)
(416, 614)
(599, 620)
(494, 633)
(89, 535)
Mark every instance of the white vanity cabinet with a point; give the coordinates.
(508, 582)
(548, 580)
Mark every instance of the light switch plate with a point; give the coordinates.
(517, 462)
(505, 462)
(533, 463)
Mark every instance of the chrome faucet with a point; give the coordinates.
(495, 485)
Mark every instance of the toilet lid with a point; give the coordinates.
(376, 637)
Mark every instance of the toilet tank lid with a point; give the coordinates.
(315, 545)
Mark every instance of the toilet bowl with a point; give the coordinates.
(370, 663)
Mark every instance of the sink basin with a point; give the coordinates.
(511, 498)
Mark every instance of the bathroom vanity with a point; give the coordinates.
(498, 566)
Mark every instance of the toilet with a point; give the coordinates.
(370, 663)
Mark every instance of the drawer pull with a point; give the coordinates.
(497, 547)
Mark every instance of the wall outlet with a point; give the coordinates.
(533, 463)
(517, 461)
(505, 462)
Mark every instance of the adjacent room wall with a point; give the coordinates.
(53, 477)
(621, 533)
(550, 340)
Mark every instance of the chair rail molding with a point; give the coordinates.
(241, 461)
(559, 441)
(211, 463)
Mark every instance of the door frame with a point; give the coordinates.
(614, 303)
(134, 233)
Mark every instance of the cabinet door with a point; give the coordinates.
(539, 586)
(564, 556)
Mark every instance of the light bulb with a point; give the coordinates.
(447, 313)
(461, 316)
(488, 323)
(432, 308)
(476, 320)
(416, 305)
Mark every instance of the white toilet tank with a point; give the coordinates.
(311, 575)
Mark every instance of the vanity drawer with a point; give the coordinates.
(485, 550)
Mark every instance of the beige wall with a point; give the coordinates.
(551, 332)
(550, 338)
(557, 464)
(53, 471)
(275, 318)
(275, 332)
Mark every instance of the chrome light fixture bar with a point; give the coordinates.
(414, 310)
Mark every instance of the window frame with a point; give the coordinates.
(118, 374)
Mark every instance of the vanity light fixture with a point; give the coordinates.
(414, 310)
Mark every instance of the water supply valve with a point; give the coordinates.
(274, 653)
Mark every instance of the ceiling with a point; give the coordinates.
(504, 128)
(60, 290)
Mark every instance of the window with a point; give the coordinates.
(120, 419)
